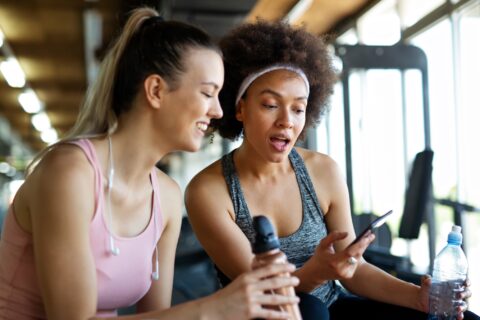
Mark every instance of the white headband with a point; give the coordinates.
(253, 76)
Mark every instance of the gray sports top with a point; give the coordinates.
(300, 245)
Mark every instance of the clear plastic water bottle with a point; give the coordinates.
(449, 273)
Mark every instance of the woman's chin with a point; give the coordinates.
(193, 146)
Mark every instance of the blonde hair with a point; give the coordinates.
(147, 45)
(97, 116)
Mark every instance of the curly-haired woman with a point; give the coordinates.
(277, 82)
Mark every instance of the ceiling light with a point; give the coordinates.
(49, 136)
(92, 31)
(11, 172)
(4, 167)
(29, 101)
(12, 72)
(41, 122)
(298, 10)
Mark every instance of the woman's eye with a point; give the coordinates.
(299, 111)
(269, 106)
(208, 95)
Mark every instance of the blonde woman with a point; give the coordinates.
(95, 225)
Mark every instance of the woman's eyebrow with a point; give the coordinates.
(273, 92)
(210, 83)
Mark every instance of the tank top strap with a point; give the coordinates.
(233, 183)
(304, 182)
(231, 178)
(158, 218)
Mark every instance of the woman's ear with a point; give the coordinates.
(155, 87)
(239, 110)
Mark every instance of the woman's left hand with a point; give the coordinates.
(426, 283)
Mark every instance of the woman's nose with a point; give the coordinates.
(216, 110)
(285, 120)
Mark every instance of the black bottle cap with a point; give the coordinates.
(265, 237)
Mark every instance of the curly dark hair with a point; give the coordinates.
(254, 46)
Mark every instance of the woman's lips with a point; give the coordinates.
(279, 143)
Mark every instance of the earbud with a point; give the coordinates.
(114, 250)
(111, 174)
(155, 274)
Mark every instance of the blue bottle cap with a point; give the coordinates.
(455, 236)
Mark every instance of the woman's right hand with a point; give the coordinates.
(246, 297)
(330, 265)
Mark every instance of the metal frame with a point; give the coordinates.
(401, 57)
(433, 17)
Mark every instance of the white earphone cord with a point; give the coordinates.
(111, 172)
(115, 250)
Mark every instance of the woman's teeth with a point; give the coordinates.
(202, 126)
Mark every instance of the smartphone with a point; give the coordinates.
(373, 225)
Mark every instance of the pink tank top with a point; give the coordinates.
(121, 280)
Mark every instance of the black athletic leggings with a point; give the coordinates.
(352, 307)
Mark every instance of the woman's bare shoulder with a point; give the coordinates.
(208, 189)
(316, 159)
(63, 178)
(210, 176)
(62, 162)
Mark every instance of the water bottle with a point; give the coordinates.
(449, 273)
(266, 244)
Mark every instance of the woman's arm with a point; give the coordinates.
(374, 283)
(60, 200)
(366, 280)
(211, 214)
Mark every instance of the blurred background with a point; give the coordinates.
(402, 125)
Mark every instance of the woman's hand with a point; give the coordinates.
(260, 260)
(463, 296)
(426, 283)
(330, 265)
(423, 299)
(245, 297)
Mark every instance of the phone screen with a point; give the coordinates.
(373, 225)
